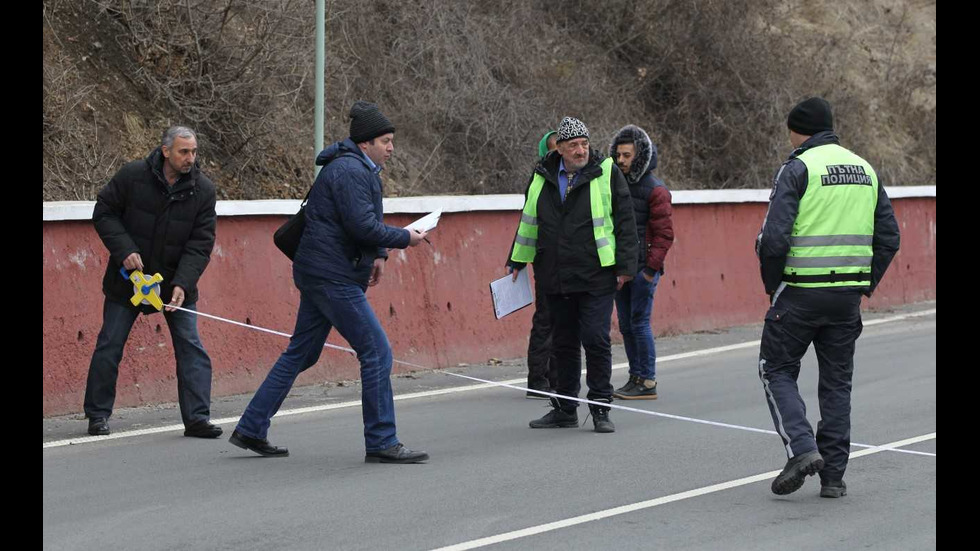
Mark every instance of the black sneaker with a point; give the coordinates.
(796, 471)
(556, 418)
(833, 488)
(644, 389)
(630, 383)
(98, 426)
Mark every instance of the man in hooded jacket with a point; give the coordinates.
(636, 155)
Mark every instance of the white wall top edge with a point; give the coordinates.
(82, 210)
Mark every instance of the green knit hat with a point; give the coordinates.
(543, 144)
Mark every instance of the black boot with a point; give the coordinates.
(796, 471)
(600, 417)
(556, 418)
(833, 488)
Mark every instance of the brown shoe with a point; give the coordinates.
(645, 389)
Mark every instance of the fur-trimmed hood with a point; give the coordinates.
(646, 151)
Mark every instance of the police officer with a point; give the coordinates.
(828, 237)
(578, 229)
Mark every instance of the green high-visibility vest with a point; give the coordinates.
(831, 241)
(600, 193)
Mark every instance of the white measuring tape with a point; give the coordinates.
(541, 392)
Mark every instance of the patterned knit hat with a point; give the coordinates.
(570, 128)
(367, 122)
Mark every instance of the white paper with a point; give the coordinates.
(509, 295)
(427, 222)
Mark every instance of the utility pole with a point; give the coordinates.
(320, 57)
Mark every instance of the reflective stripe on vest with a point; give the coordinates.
(600, 195)
(831, 241)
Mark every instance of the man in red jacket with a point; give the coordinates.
(636, 156)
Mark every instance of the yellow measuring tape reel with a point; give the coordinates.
(145, 290)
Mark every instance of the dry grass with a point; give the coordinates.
(472, 85)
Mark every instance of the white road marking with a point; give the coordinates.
(534, 530)
(467, 388)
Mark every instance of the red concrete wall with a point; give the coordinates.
(434, 302)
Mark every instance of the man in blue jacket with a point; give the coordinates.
(342, 252)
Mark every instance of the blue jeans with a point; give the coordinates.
(193, 363)
(324, 305)
(634, 306)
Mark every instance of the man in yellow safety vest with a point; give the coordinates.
(828, 237)
(578, 228)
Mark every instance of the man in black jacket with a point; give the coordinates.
(156, 215)
(578, 229)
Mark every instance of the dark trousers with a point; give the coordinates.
(582, 320)
(542, 367)
(193, 363)
(831, 320)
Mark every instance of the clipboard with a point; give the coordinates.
(510, 296)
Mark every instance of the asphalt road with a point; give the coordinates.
(657, 482)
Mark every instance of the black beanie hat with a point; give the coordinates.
(811, 116)
(367, 122)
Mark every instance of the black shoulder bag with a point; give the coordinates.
(288, 235)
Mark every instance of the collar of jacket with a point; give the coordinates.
(820, 138)
(344, 148)
(549, 165)
(185, 181)
(349, 147)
